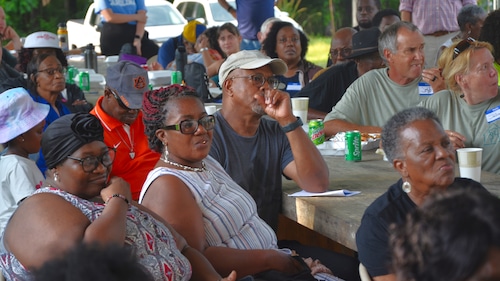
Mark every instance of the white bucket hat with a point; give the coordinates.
(19, 113)
(41, 39)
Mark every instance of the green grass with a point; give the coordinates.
(317, 52)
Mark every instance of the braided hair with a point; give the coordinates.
(25, 55)
(154, 108)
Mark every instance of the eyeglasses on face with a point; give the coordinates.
(189, 127)
(258, 80)
(462, 46)
(344, 52)
(52, 71)
(89, 164)
(118, 99)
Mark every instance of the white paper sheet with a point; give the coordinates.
(331, 193)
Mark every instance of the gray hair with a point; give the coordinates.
(267, 22)
(389, 37)
(391, 132)
(469, 14)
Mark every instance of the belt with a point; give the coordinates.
(439, 33)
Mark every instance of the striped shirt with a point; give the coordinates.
(434, 15)
(229, 212)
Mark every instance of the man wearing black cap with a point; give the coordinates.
(328, 88)
(120, 115)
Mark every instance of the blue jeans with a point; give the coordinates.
(247, 44)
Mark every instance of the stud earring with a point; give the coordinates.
(56, 176)
(406, 187)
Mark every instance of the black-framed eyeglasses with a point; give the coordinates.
(89, 164)
(52, 71)
(258, 80)
(462, 46)
(118, 99)
(344, 52)
(189, 127)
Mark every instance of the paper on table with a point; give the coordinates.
(332, 193)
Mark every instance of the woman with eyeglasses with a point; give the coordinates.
(68, 212)
(191, 190)
(45, 82)
(286, 42)
(468, 108)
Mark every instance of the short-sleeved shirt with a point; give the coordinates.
(133, 170)
(328, 88)
(127, 7)
(255, 163)
(470, 120)
(19, 177)
(372, 237)
(374, 98)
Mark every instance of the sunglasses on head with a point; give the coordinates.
(462, 46)
(118, 99)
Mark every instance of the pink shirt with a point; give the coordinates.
(434, 15)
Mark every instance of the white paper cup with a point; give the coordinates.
(210, 109)
(469, 163)
(299, 107)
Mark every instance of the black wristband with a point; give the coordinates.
(137, 36)
(229, 8)
(292, 126)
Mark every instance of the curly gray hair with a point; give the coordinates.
(391, 132)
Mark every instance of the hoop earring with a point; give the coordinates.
(406, 187)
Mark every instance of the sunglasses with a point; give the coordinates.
(120, 102)
(462, 46)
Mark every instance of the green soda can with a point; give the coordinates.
(176, 77)
(317, 131)
(353, 146)
(84, 81)
(70, 75)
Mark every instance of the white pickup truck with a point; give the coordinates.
(164, 21)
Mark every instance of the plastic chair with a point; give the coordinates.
(363, 273)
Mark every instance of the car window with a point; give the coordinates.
(163, 15)
(220, 14)
(199, 11)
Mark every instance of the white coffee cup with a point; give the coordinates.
(469, 163)
(210, 109)
(300, 106)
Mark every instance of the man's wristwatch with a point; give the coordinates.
(292, 126)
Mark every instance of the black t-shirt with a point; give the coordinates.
(372, 237)
(328, 88)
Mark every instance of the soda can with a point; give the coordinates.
(353, 146)
(176, 77)
(84, 81)
(70, 75)
(317, 131)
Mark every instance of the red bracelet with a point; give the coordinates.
(118, 196)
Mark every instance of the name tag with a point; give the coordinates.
(293, 87)
(493, 114)
(424, 89)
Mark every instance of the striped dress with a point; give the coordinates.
(229, 212)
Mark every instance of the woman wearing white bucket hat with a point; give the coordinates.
(21, 124)
(44, 42)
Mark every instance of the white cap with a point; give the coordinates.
(42, 39)
(250, 60)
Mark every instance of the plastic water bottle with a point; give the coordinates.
(84, 81)
(90, 57)
(62, 34)
(70, 74)
(180, 59)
